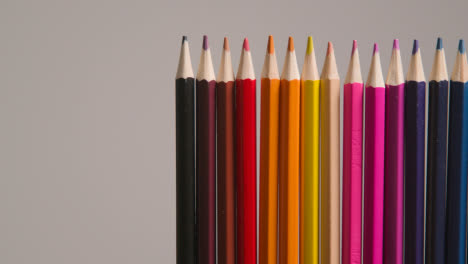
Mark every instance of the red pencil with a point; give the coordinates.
(246, 159)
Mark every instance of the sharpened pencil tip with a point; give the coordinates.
(205, 42)
(330, 48)
(291, 44)
(246, 44)
(226, 44)
(354, 46)
(376, 48)
(184, 38)
(415, 46)
(461, 46)
(271, 45)
(310, 45)
(440, 45)
(396, 44)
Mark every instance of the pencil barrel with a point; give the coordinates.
(394, 169)
(206, 171)
(269, 121)
(309, 172)
(457, 174)
(186, 248)
(246, 171)
(289, 172)
(436, 172)
(352, 172)
(415, 132)
(330, 170)
(225, 171)
(374, 175)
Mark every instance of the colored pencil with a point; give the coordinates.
(225, 157)
(330, 159)
(394, 141)
(457, 161)
(185, 159)
(415, 150)
(309, 159)
(437, 158)
(206, 157)
(374, 163)
(269, 131)
(352, 160)
(246, 159)
(289, 159)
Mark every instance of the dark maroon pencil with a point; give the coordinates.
(225, 152)
(206, 159)
(415, 132)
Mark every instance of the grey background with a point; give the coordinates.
(87, 106)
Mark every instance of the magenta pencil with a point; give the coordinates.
(374, 163)
(394, 159)
(352, 161)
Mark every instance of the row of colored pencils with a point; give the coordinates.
(403, 184)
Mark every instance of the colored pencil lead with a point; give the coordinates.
(226, 44)
(439, 44)
(205, 42)
(461, 46)
(271, 45)
(396, 44)
(310, 45)
(291, 44)
(246, 45)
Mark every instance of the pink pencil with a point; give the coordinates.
(374, 163)
(352, 161)
(394, 159)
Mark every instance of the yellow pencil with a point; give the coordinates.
(289, 159)
(330, 159)
(309, 158)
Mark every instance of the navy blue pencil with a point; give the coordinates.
(415, 131)
(457, 161)
(437, 158)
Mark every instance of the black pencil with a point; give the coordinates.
(437, 158)
(185, 159)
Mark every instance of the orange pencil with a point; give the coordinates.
(289, 159)
(269, 117)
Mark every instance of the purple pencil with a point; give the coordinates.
(394, 159)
